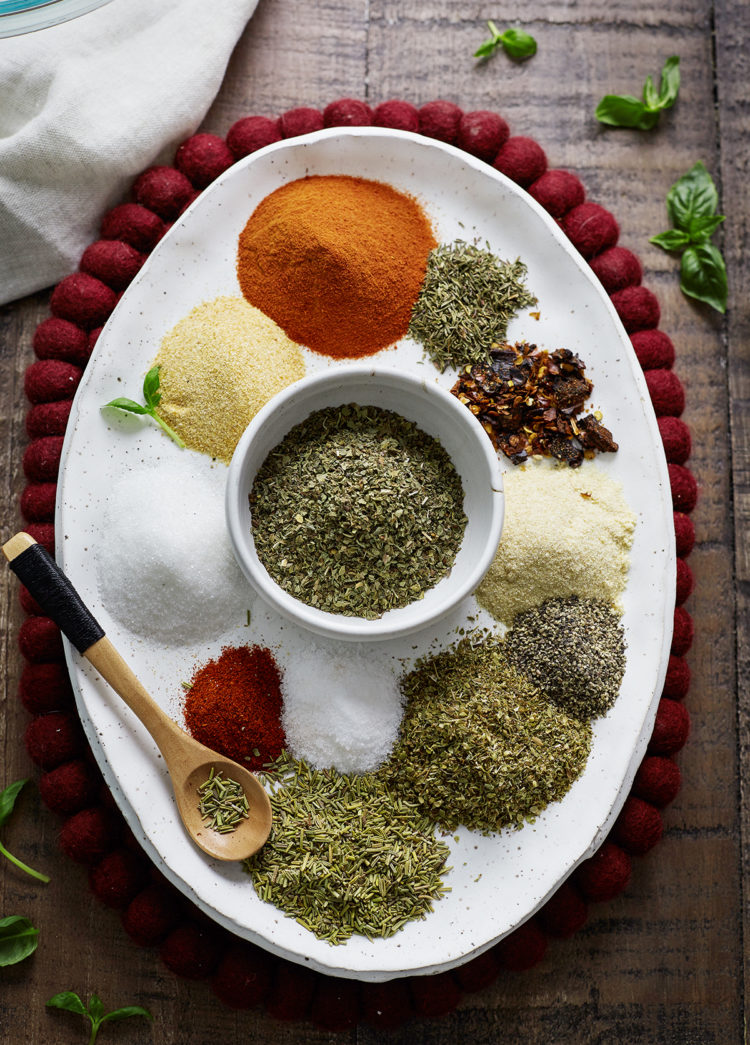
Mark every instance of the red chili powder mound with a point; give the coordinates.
(234, 706)
(336, 261)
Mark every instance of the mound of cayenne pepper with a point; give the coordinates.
(529, 400)
(234, 706)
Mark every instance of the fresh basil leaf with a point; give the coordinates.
(622, 110)
(703, 276)
(487, 49)
(96, 1008)
(650, 94)
(128, 404)
(518, 44)
(672, 239)
(18, 939)
(8, 799)
(151, 387)
(69, 1002)
(670, 82)
(692, 196)
(126, 1011)
(704, 228)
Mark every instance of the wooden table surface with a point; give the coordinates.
(664, 962)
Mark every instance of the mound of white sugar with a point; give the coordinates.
(342, 707)
(165, 566)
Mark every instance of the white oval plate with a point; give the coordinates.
(497, 882)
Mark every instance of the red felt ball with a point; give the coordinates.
(45, 687)
(69, 787)
(202, 158)
(41, 459)
(250, 134)
(666, 391)
(48, 418)
(401, 116)
(482, 133)
(335, 1004)
(617, 268)
(291, 992)
(657, 781)
(677, 680)
(53, 739)
(604, 875)
(151, 914)
(38, 502)
(522, 160)
(637, 307)
(28, 602)
(117, 877)
(51, 379)
(440, 120)
(671, 728)
(386, 1006)
(133, 224)
(82, 299)
(653, 349)
(683, 632)
(558, 192)
(564, 913)
(523, 948)
(86, 836)
(434, 996)
(192, 951)
(347, 112)
(243, 976)
(112, 261)
(300, 121)
(639, 826)
(591, 229)
(479, 972)
(56, 338)
(675, 435)
(685, 582)
(43, 533)
(684, 488)
(163, 190)
(40, 640)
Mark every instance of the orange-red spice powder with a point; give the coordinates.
(234, 706)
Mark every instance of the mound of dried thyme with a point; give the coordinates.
(222, 802)
(479, 744)
(345, 856)
(357, 511)
(467, 298)
(573, 648)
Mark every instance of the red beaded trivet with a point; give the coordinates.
(154, 913)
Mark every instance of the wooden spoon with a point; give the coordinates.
(189, 763)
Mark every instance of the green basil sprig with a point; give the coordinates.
(94, 1011)
(18, 939)
(515, 42)
(623, 110)
(691, 206)
(7, 802)
(152, 397)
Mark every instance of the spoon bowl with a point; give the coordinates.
(189, 763)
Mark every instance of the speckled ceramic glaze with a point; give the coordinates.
(496, 882)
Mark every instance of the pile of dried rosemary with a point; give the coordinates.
(345, 856)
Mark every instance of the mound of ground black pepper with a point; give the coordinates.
(573, 649)
(528, 401)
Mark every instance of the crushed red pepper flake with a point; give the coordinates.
(529, 400)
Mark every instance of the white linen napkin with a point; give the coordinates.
(87, 105)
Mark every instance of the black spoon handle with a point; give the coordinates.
(35, 567)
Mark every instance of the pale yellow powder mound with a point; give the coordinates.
(217, 367)
(566, 532)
